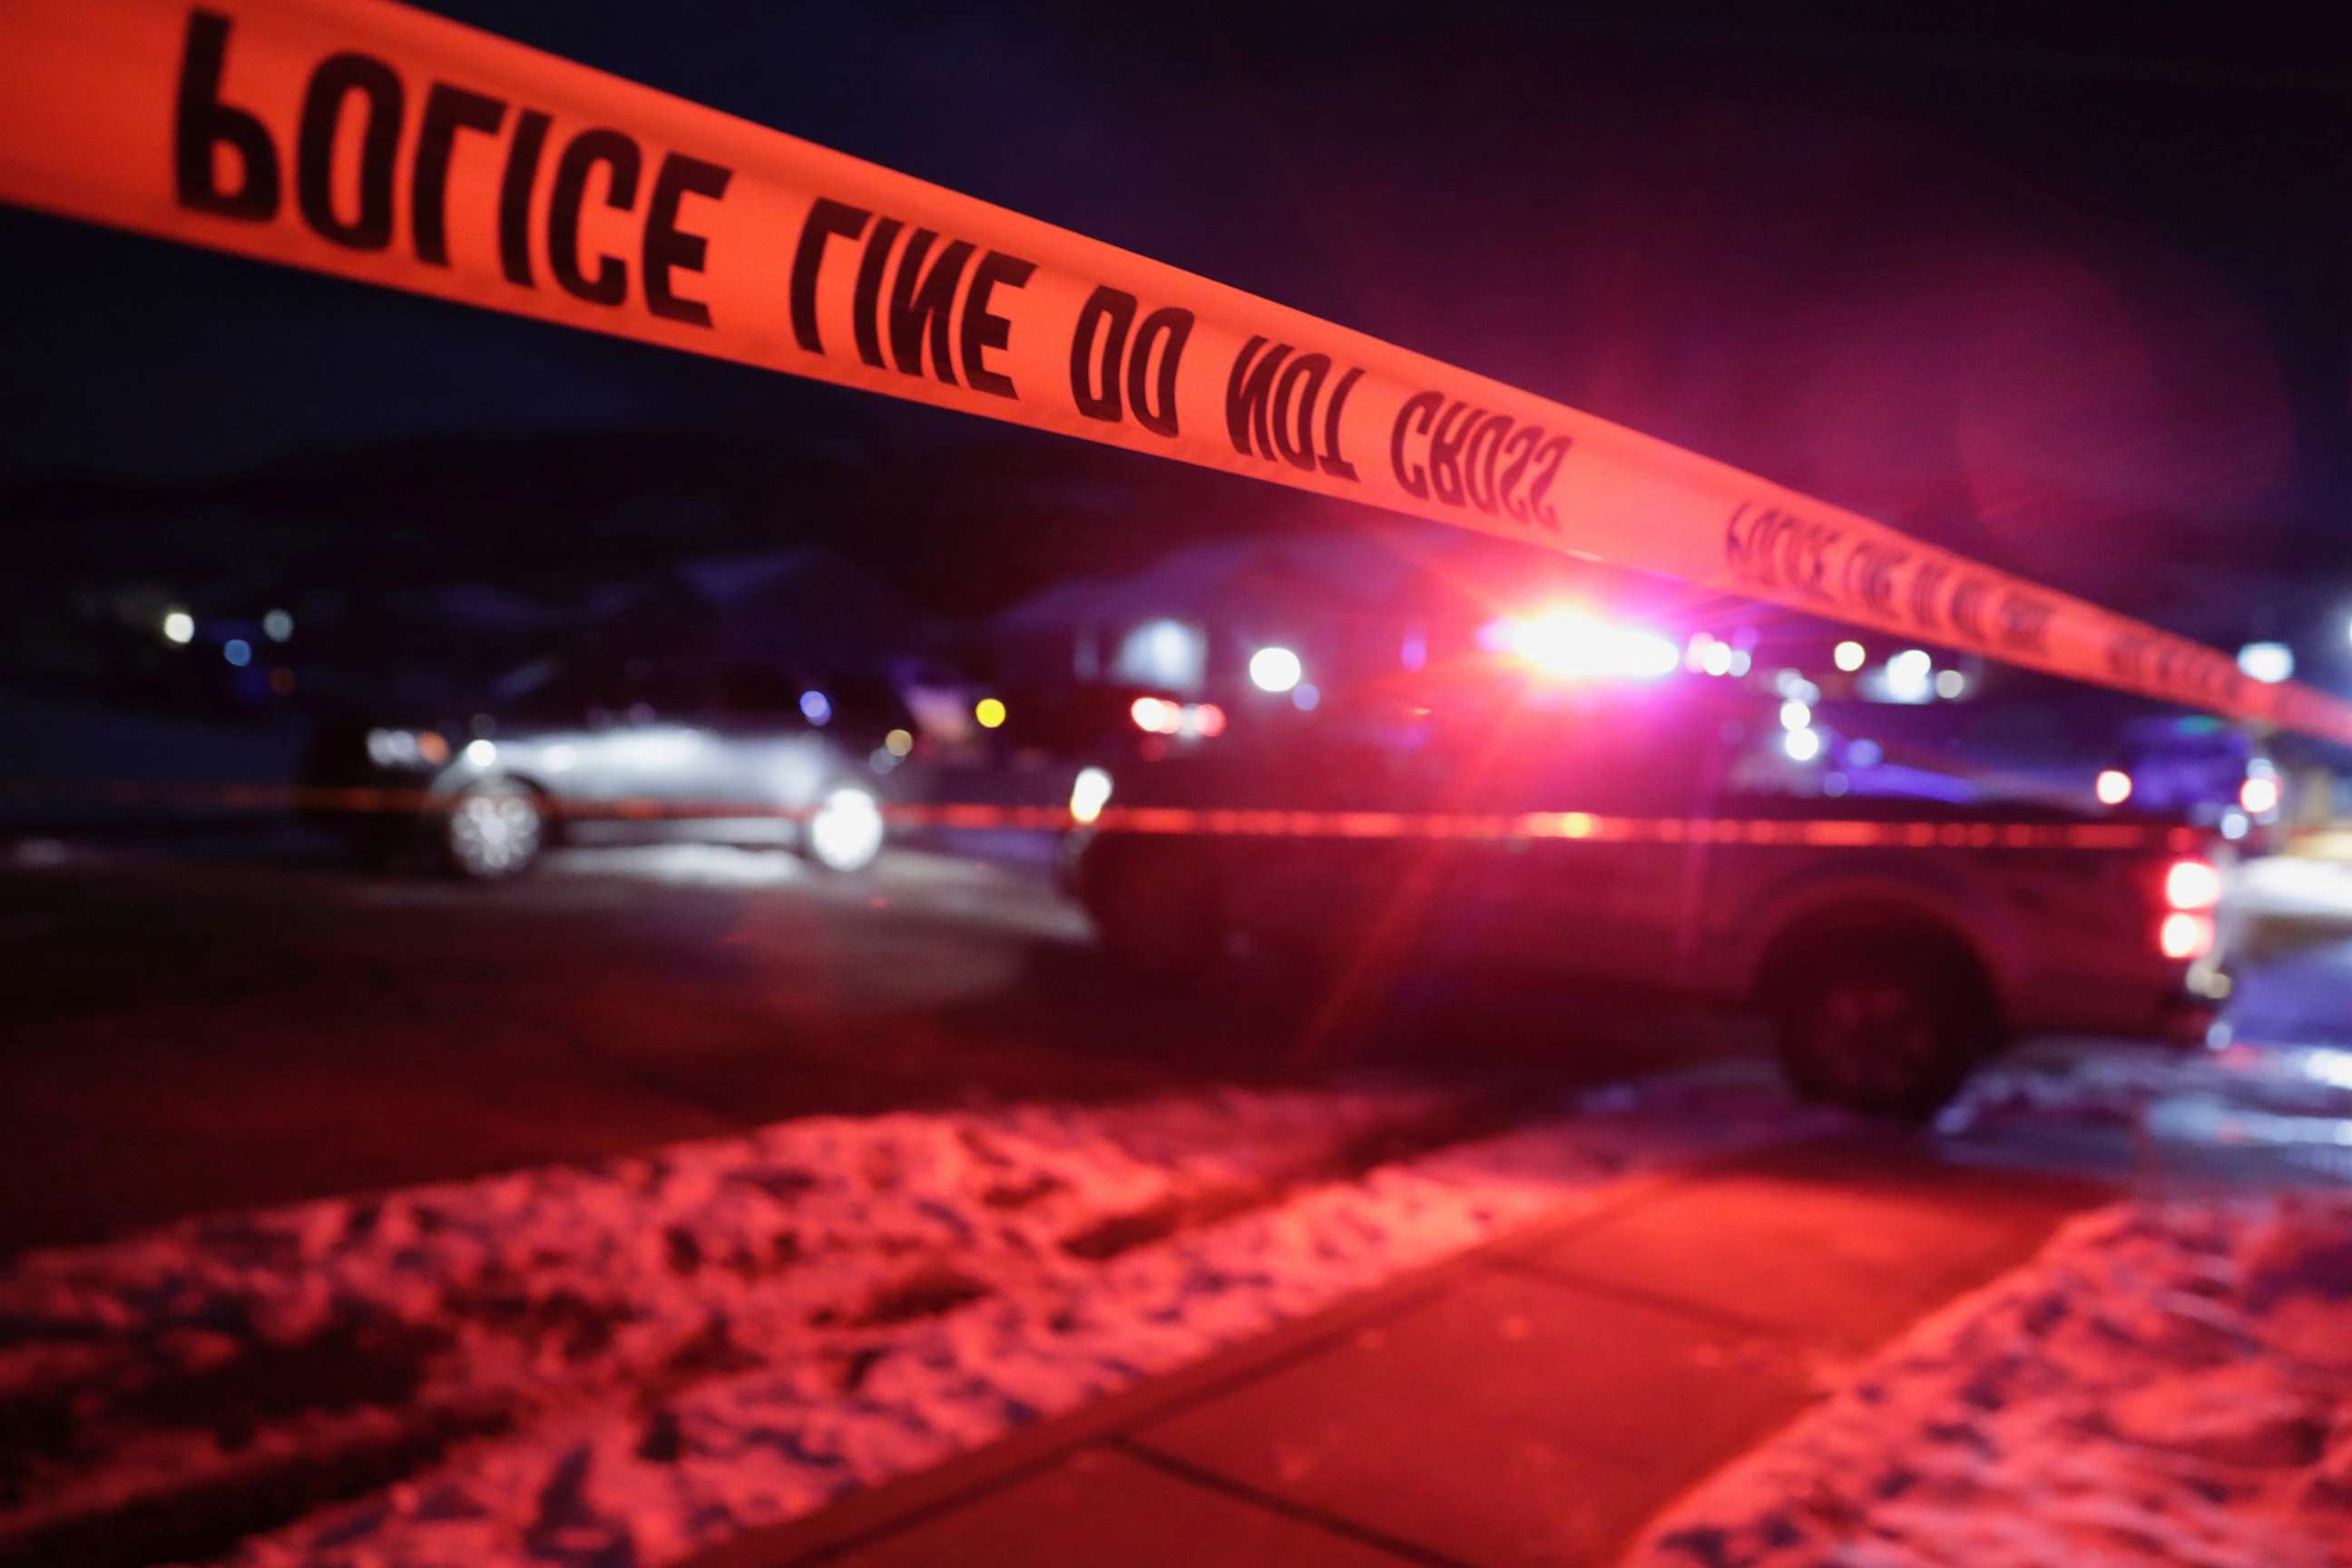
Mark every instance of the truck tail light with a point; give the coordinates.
(2192, 885)
(2183, 935)
(1155, 715)
(2192, 891)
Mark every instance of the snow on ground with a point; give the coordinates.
(206, 1343)
(2166, 1383)
(2250, 1112)
(626, 1363)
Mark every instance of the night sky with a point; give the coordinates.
(2076, 300)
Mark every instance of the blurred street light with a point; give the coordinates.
(1275, 668)
(179, 626)
(1910, 676)
(2268, 662)
(1849, 656)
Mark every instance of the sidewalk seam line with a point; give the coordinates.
(1274, 1503)
(1153, 1399)
(1570, 1278)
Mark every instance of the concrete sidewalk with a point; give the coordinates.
(1533, 1402)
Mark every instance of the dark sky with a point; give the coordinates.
(2076, 298)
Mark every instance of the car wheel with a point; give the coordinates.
(846, 832)
(1885, 1028)
(497, 828)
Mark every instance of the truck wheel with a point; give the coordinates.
(1157, 912)
(1887, 1027)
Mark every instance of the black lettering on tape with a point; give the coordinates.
(982, 328)
(1478, 462)
(668, 247)
(1103, 320)
(2024, 622)
(447, 111)
(622, 162)
(1869, 577)
(1413, 418)
(866, 300)
(1446, 450)
(514, 196)
(338, 78)
(203, 126)
(1151, 367)
(1966, 606)
(1249, 394)
(920, 302)
(1331, 461)
(1926, 587)
(1295, 392)
(1522, 442)
(1547, 461)
(827, 220)
(1108, 377)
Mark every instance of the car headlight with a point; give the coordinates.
(845, 833)
(1090, 793)
(407, 748)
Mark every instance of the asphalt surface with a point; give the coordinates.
(214, 1026)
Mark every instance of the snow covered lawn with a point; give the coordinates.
(625, 1363)
(2166, 1383)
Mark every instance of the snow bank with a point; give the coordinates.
(351, 1322)
(2166, 1383)
(658, 1474)
(626, 1363)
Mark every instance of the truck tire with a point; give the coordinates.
(1889, 1025)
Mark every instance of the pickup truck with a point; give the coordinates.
(1663, 840)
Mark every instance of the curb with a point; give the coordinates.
(867, 1514)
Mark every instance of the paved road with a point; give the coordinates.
(194, 1031)
(198, 1030)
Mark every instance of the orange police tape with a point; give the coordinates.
(379, 143)
(1847, 834)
